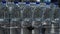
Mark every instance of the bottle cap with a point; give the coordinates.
(16, 2)
(27, 2)
(3, 1)
(47, 3)
(37, 2)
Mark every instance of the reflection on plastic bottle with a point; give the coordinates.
(37, 24)
(4, 11)
(1, 11)
(52, 30)
(47, 13)
(27, 13)
(56, 13)
(16, 23)
(16, 13)
(38, 12)
(27, 23)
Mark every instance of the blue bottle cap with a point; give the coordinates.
(37, 2)
(48, 3)
(15, 2)
(27, 2)
(3, 1)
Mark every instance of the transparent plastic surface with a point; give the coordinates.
(15, 31)
(6, 13)
(39, 19)
(22, 5)
(16, 24)
(56, 13)
(27, 23)
(5, 23)
(14, 10)
(38, 12)
(27, 12)
(48, 13)
(2, 10)
(56, 28)
(16, 13)
(37, 24)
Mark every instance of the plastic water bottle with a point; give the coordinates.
(47, 14)
(27, 13)
(38, 13)
(1, 10)
(16, 13)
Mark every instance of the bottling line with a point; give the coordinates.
(29, 18)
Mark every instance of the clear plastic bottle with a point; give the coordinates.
(55, 19)
(48, 12)
(27, 13)
(37, 13)
(16, 13)
(1, 10)
(3, 19)
(37, 27)
(14, 18)
(38, 17)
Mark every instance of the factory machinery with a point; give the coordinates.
(29, 18)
